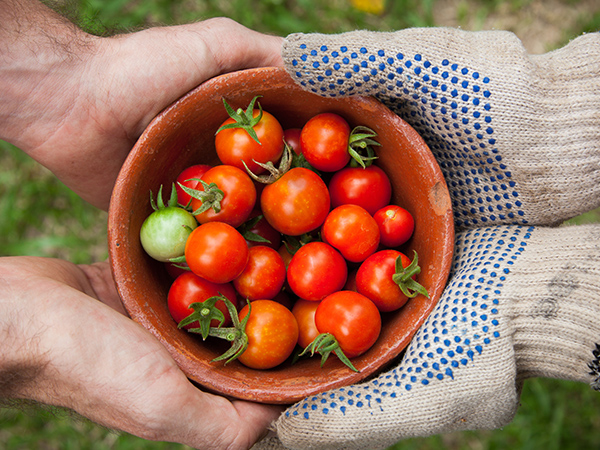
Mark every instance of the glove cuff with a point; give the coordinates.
(554, 298)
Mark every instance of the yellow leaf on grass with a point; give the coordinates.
(369, 6)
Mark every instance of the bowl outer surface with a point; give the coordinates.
(183, 135)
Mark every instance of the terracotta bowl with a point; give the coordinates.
(183, 135)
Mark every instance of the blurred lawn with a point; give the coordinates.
(40, 216)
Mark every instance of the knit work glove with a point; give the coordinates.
(518, 139)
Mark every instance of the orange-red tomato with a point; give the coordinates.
(351, 230)
(236, 145)
(296, 203)
(370, 188)
(272, 334)
(239, 196)
(263, 276)
(316, 270)
(374, 279)
(352, 319)
(324, 141)
(216, 251)
(396, 225)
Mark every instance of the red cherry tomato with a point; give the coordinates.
(296, 203)
(396, 225)
(304, 312)
(352, 319)
(316, 270)
(235, 146)
(374, 279)
(370, 188)
(263, 276)
(189, 288)
(189, 177)
(216, 251)
(292, 137)
(351, 230)
(239, 196)
(324, 141)
(272, 334)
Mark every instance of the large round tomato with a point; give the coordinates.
(324, 140)
(374, 279)
(216, 251)
(189, 177)
(272, 333)
(235, 146)
(352, 319)
(396, 225)
(370, 188)
(296, 203)
(352, 231)
(238, 196)
(316, 270)
(189, 288)
(263, 276)
(304, 312)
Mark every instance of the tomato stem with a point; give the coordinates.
(324, 344)
(211, 196)
(244, 119)
(274, 172)
(235, 334)
(404, 278)
(360, 146)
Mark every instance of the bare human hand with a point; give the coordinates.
(65, 345)
(77, 103)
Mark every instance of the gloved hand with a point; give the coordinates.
(518, 139)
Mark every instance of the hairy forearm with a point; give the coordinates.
(41, 53)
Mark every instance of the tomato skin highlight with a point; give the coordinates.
(272, 334)
(370, 188)
(374, 279)
(324, 141)
(316, 270)
(396, 225)
(263, 276)
(189, 288)
(296, 203)
(239, 196)
(235, 145)
(352, 319)
(352, 231)
(217, 252)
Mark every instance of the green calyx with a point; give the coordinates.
(159, 204)
(236, 334)
(360, 146)
(246, 227)
(404, 278)
(244, 119)
(324, 344)
(274, 172)
(211, 196)
(204, 312)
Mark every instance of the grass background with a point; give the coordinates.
(40, 216)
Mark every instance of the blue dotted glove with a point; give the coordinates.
(513, 133)
(517, 138)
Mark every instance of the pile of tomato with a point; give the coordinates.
(289, 246)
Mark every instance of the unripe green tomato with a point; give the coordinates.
(165, 231)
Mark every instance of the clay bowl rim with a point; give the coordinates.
(289, 384)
